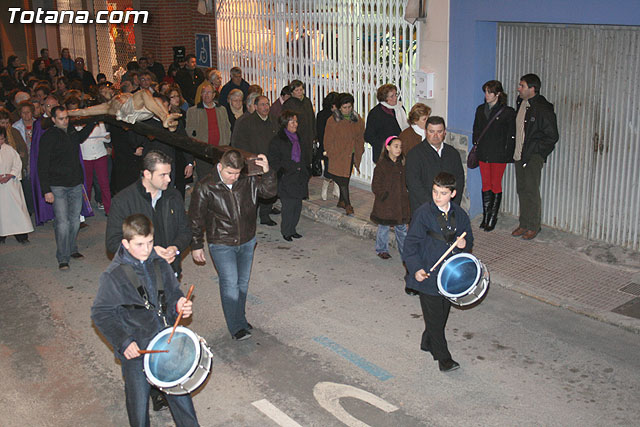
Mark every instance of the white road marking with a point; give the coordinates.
(275, 414)
(328, 396)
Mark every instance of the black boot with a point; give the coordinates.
(493, 216)
(487, 201)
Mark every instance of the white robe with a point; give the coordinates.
(14, 218)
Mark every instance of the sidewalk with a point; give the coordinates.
(588, 277)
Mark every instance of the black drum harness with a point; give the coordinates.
(447, 229)
(135, 281)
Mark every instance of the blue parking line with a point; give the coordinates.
(359, 361)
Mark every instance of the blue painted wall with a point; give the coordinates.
(472, 50)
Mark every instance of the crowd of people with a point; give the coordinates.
(50, 169)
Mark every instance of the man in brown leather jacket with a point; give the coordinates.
(224, 203)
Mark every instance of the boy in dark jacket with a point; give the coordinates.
(434, 227)
(138, 297)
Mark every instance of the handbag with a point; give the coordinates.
(472, 157)
(316, 160)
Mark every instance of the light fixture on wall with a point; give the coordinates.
(415, 10)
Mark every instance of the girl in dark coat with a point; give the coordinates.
(301, 105)
(495, 147)
(391, 205)
(286, 157)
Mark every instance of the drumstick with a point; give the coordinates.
(175, 325)
(152, 351)
(444, 255)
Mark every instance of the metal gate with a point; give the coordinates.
(331, 45)
(116, 43)
(591, 182)
(72, 36)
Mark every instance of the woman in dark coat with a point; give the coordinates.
(386, 119)
(301, 105)
(328, 108)
(495, 147)
(286, 157)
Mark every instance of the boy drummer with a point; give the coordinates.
(434, 227)
(139, 296)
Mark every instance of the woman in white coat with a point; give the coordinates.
(14, 218)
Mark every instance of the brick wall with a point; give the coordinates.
(175, 23)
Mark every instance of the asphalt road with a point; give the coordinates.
(336, 342)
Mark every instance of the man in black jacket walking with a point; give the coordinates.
(151, 195)
(428, 159)
(61, 180)
(536, 136)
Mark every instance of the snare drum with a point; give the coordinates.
(184, 368)
(463, 279)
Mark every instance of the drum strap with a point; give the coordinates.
(447, 229)
(135, 281)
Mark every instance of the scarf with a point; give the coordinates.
(401, 116)
(236, 112)
(295, 150)
(421, 132)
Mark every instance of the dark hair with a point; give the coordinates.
(71, 100)
(418, 111)
(232, 159)
(3, 132)
(162, 97)
(294, 84)
(4, 114)
(100, 76)
(385, 152)
(436, 120)
(254, 89)
(11, 59)
(285, 118)
(189, 56)
(154, 157)
(383, 91)
(45, 88)
(63, 79)
(446, 180)
(43, 49)
(234, 70)
(344, 98)
(173, 67)
(258, 98)
(532, 80)
(143, 58)
(285, 91)
(54, 110)
(136, 225)
(495, 87)
(133, 66)
(330, 100)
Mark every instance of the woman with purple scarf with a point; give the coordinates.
(287, 154)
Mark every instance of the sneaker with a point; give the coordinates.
(159, 402)
(384, 255)
(448, 365)
(100, 206)
(63, 266)
(242, 334)
(77, 255)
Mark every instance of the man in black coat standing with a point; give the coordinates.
(189, 78)
(151, 196)
(428, 159)
(536, 136)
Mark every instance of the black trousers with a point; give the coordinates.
(264, 208)
(435, 311)
(290, 215)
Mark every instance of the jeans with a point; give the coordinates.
(233, 264)
(67, 205)
(136, 389)
(382, 238)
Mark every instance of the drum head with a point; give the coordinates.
(169, 369)
(458, 274)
